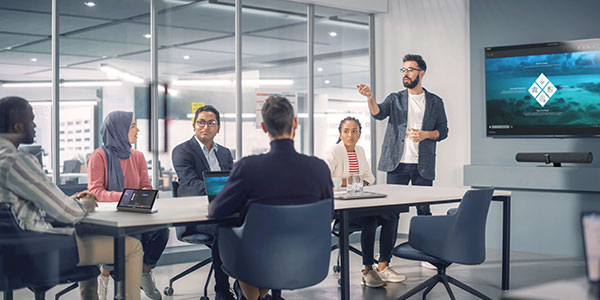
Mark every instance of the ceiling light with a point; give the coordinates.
(33, 59)
(64, 83)
(327, 81)
(227, 82)
(89, 3)
(186, 57)
(113, 72)
(333, 34)
(147, 35)
(319, 69)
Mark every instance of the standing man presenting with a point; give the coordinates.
(190, 159)
(417, 122)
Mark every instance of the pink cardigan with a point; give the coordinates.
(134, 168)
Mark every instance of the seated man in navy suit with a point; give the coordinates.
(280, 177)
(190, 159)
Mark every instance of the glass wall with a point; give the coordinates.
(105, 66)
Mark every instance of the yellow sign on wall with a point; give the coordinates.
(196, 105)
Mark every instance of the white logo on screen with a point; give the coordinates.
(542, 89)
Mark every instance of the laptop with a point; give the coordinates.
(590, 228)
(355, 196)
(214, 181)
(138, 201)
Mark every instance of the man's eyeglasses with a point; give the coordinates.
(202, 123)
(409, 69)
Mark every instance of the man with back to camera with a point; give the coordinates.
(414, 113)
(190, 159)
(280, 177)
(33, 200)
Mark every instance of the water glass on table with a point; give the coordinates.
(355, 184)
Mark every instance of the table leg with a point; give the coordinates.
(506, 243)
(344, 256)
(119, 262)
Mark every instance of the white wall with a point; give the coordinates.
(439, 31)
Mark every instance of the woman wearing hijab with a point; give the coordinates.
(348, 158)
(114, 167)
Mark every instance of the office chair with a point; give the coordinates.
(71, 166)
(352, 228)
(192, 238)
(32, 259)
(458, 237)
(298, 235)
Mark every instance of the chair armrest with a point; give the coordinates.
(429, 233)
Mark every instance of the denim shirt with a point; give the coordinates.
(395, 106)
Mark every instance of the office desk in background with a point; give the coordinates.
(399, 199)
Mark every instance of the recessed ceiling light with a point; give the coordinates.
(332, 34)
(89, 3)
(33, 59)
(104, 56)
(327, 81)
(147, 35)
(186, 57)
(319, 69)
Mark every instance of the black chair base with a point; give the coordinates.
(430, 283)
(169, 290)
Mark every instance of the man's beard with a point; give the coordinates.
(412, 84)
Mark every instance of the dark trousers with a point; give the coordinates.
(406, 173)
(221, 279)
(387, 236)
(153, 243)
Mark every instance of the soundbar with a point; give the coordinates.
(556, 158)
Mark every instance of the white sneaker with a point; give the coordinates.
(389, 275)
(102, 286)
(149, 286)
(371, 279)
(428, 265)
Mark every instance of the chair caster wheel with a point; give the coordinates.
(336, 269)
(340, 282)
(204, 298)
(168, 291)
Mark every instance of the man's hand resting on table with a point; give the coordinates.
(88, 199)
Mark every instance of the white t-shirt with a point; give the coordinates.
(416, 111)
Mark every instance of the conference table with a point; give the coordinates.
(193, 210)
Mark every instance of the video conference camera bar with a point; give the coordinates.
(556, 158)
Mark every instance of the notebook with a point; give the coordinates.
(214, 181)
(138, 201)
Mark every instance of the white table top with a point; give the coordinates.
(410, 195)
(195, 209)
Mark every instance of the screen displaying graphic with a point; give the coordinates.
(214, 185)
(138, 198)
(543, 89)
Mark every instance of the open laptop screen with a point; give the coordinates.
(591, 243)
(214, 183)
(142, 199)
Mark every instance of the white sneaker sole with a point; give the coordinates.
(364, 283)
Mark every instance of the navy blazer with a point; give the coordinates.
(395, 106)
(189, 163)
(281, 176)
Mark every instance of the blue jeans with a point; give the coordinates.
(405, 173)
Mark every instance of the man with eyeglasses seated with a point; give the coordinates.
(190, 159)
(417, 122)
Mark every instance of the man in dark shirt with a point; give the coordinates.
(280, 177)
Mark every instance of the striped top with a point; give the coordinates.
(31, 196)
(353, 160)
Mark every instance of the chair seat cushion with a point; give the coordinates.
(197, 238)
(407, 251)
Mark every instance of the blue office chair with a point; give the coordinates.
(42, 270)
(192, 238)
(352, 228)
(458, 237)
(298, 235)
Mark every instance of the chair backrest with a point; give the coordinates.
(279, 246)
(72, 166)
(459, 237)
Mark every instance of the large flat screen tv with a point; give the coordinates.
(548, 89)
